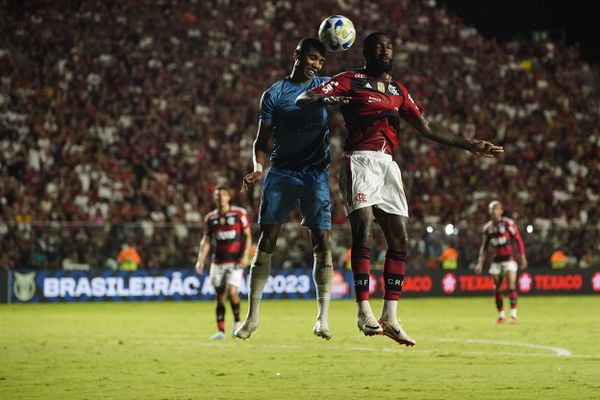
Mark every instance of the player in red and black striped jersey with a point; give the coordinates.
(228, 227)
(500, 235)
(370, 180)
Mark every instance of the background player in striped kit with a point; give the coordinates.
(371, 181)
(228, 227)
(298, 172)
(500, 234)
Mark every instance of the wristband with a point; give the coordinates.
(258, 167)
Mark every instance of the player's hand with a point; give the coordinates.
(243, 262)
(250, 179)
(485, 148)
(478, 268)
(524, 263)
(333, 100)
(199, 267)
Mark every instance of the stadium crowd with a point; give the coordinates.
(117, 120)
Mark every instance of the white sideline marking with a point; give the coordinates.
(559, 351)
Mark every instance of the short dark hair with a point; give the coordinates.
(305, 44)
(372, 37)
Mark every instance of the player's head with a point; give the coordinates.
(222, 197)
(378, 52)
(495, 209)
(309, 58)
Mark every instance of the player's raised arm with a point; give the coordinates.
(334, 91)
(310, 97)
(437, 133)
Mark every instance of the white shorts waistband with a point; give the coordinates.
(376, 154)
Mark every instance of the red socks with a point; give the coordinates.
(393, 274)
(361, 267)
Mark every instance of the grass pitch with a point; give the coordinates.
(162, 351)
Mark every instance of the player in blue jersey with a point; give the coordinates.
(298, 172)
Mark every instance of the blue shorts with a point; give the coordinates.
(281, 189)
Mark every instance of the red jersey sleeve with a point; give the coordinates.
(339, 85)
(244, 219)
(514, 231)
(409, 107)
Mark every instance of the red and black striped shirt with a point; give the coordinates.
(227, 230)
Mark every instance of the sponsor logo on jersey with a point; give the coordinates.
(329, 87)
(376, 86)
(225, 235)
(372, 99)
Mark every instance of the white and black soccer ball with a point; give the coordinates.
(337, 33)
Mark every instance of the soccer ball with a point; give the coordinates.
(337, 33)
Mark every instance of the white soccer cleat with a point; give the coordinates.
(394, 330)
(220, 335)
(246, 329)
(368, 325)
(321, 329)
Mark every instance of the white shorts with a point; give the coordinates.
(501, 268)
(226, 274)
(372, 178)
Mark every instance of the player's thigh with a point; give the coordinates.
(361, 179)
(511, 276)
(394, 229)
(217, 276)
(268, 235)
(497, 280)
(277, 198)
(393, 197)
(234, 276)
(315, 200)
(496, 269)
(361, 224)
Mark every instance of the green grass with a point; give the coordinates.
(161, 351)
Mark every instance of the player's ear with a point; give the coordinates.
(296, 54)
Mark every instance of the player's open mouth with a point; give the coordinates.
(311, 72)
(385, 60)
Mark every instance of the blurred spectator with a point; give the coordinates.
(449, 258)
(129, 259)
(558, 259)
(121, 113)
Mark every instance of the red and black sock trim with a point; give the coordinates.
(499, 300)
(361, 268)
(220, 311)
(394, 270)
